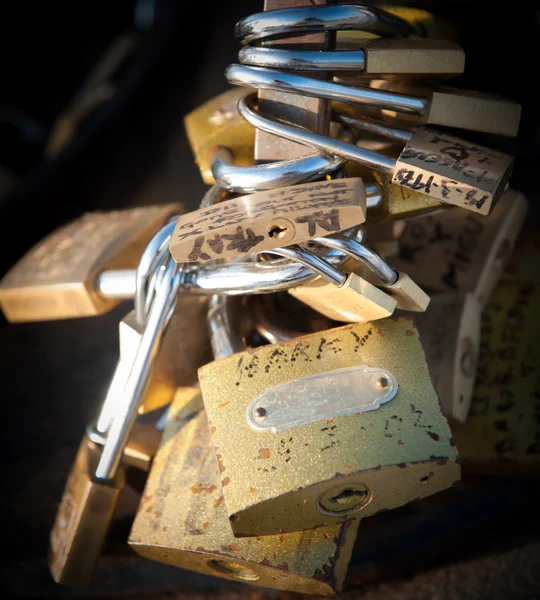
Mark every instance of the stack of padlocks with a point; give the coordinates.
(298, 427)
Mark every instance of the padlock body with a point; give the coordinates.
(338, 467)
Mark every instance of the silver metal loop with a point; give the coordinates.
(281, 81)
(373, 160)
(372, 260)
(372, 126)
(222, 322)
(291, 21)
(312, 262)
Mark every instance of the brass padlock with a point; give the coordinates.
(502, 433)
(456, 108)
(182, 521)
(459, 251)
(450, 334)
(57, 278)
(186, 336)
(217, 123)
(299, 460)
(266, 220)
(426, 24)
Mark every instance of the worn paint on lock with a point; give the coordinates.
(502, 433)
(453, 170)
(267, 220)
(274, 483)
(460, 251)
(56, 278)
(182, 520)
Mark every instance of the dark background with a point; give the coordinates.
(480, 541)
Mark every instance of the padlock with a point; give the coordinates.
(459, 251)
(57, 279)
(217, 123)
(456, 108)
(445, 167)
(502, 433)
(270, 219)
(331, 453)
(186, 336)
(450, 335)
(182, 521)
(357, 58)
(336, 295)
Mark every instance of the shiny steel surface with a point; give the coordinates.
(360, 252)
(319, 19)
(224, 335)
(370, 159)
(372, 126)
(303, 60)
(261, 78)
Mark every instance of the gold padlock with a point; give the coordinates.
(330, 460)
(459, 251)
(217, 123)
(456, 108)
(182, 521)
(186, 336)
(450, 334)
(502, 433)
(57, 278)
(270, 219)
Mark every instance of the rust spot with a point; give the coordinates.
(328, 421)
(402, 465)
(381, 332)
(259, 538)
(408, 332)
(219, 501)
(326, 536)
(158, 514)
(206, 525)
(401, 442)
(197, 489)
(434, 436)
(224, 404)
(200, 549)
(221, 466)
(284, 566)
(149, 509)
(226, 481)
(302, 558)
(265, 453)
(234, 547)
(272, 577)
(266, 562)
(213, 430)
(252, 490)
(281, 538)
(163, 529)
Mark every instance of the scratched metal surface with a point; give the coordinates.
(479, 539)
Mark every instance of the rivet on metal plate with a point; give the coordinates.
(319, 397)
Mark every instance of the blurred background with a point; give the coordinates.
(92, 103)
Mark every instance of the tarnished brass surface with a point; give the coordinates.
(461, 251)
(502, 433)
(217, 123)
(182, 521)
(356, 301)
(56, 278)
(272, 483)
(458, 108)
(82, 521)
(450, 333)
(269, 219)
(453, 170)
(426, 24)
(185, 347)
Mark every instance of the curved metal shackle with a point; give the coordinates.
(360, 252)
(372, 126)
(290, 21)
(311, 261)
(371, 159)
(222, 319)
(282, 81)
(153, 258)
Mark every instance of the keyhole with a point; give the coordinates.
(341, 500)
(277, 232)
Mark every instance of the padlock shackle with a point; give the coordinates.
(222, 322)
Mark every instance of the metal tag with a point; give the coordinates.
(319, 397)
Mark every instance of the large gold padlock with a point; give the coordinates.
(186, 337)
(460, 251)
(217, 123)
(502, 433)
(57, 279)
(182, 521)
(290, 461)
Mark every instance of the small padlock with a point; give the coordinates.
(458, 251)
(332, 452)
(502, 433)
(450, 334)
(445, 167)
(270, 219)
(186, 336)
(57, 279)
